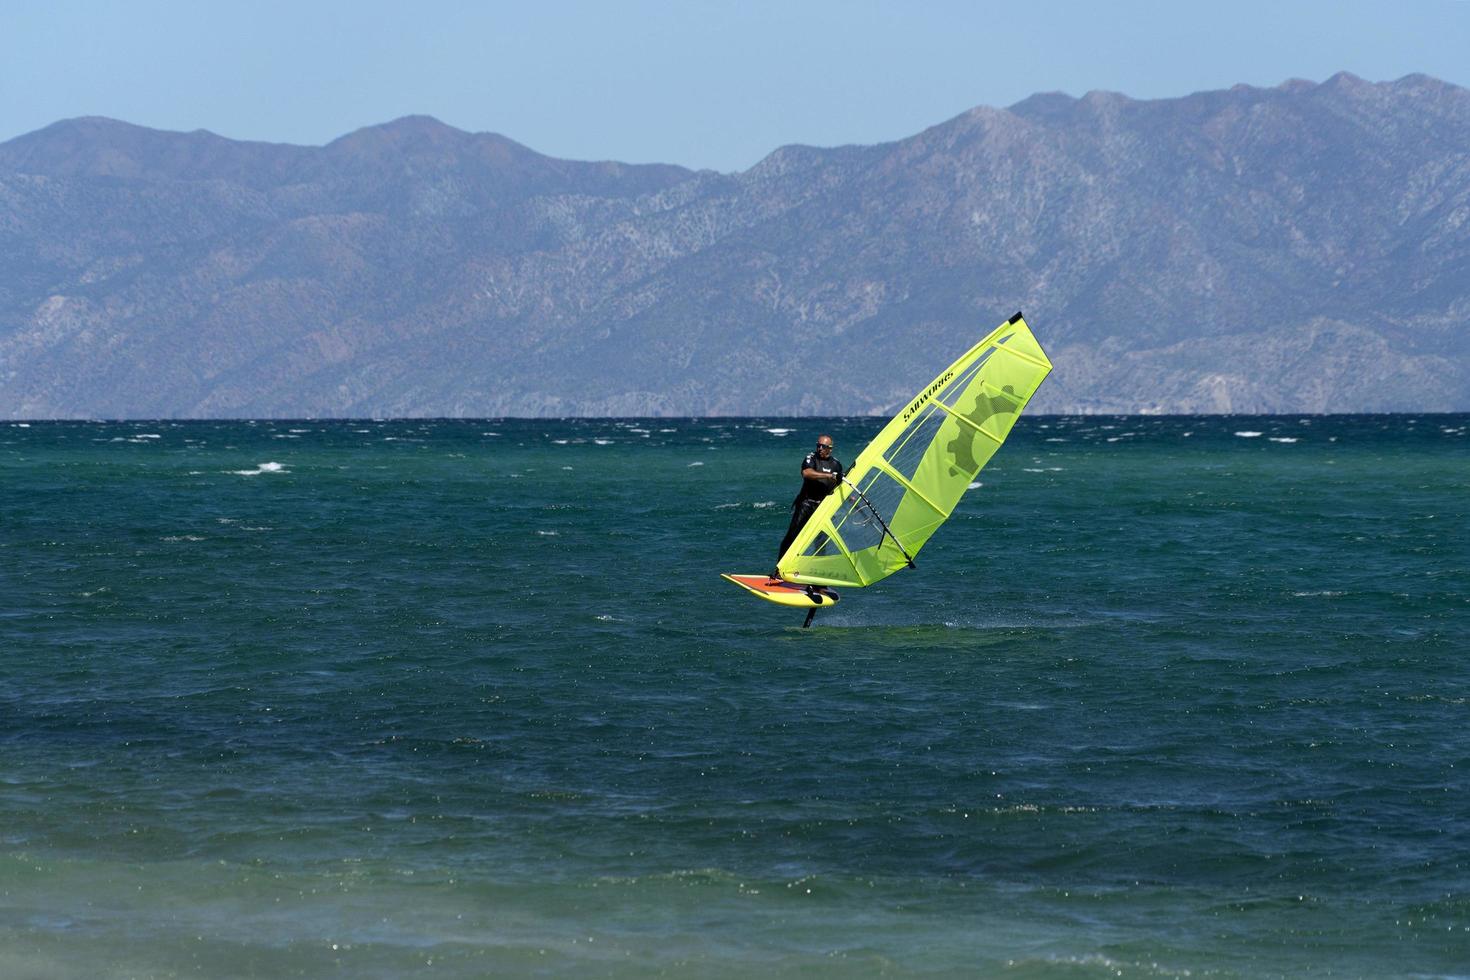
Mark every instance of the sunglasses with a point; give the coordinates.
(823, 445)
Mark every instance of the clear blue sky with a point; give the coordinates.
(703, 84)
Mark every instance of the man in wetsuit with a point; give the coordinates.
(820, 475)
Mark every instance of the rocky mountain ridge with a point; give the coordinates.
(1303, 248)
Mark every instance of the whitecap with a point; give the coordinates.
(603, 442)
(697, 463)
(566, 467)
(262, 468)
(975, 486)
(548, 534)
(780, 432)
(182, 537)
(1282, 439)
(763, 504)
(1249, 435)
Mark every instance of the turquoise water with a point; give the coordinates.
(1170, 696)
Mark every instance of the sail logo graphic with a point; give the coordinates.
(918, 403)
(985, 408)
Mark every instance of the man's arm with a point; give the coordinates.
(823, 475)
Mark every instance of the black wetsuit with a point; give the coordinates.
(812, 493)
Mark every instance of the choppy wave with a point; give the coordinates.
(262, 468)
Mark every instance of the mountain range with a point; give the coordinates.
(1303, 248)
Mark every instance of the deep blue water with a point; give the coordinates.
(1168, 696)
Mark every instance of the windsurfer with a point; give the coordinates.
(820, 474)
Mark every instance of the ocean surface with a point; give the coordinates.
(1167, 697)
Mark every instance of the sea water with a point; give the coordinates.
(1166, 697)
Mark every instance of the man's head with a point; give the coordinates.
(824, 445)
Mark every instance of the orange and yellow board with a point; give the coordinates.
(784, 593)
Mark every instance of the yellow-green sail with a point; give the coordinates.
(910, 477)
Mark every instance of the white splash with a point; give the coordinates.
(262, 468)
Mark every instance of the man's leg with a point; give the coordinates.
(801, 512)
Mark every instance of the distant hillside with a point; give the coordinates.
(1303, 248)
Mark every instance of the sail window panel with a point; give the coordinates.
(822, 546)
(908, 450)
(860, 519)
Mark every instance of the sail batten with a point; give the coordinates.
(964, 421)
(906, 483)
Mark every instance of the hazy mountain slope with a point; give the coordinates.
(1303, 248)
